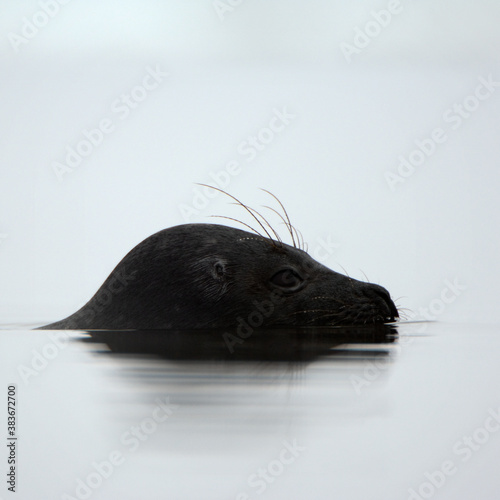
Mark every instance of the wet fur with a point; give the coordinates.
(207, 275)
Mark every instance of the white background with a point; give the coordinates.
(432, 240)
(227, 73)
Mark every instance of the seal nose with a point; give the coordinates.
(380, 292)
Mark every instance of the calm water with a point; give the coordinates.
(319, 414)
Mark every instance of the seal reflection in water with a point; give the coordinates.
(213, 276)
(297, 344)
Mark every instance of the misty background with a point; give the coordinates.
(338, 96)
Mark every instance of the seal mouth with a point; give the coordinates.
(348, 315)
(355, 315)
(375, 306)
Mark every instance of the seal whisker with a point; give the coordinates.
(329, 297)
(276, 234)
(284, 222)
(268, 224)
(240, 222)
(243, 205)
(399, 298)
(313, 310)
(334, 299)
(300, 239)
(330, 315)
(289, 225)
(343, 269)
(300, 244)
(403, 314)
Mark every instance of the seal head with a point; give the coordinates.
(213, 276)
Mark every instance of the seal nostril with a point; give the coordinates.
(382, 293)
(390, 304)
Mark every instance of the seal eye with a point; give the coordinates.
(287, 278)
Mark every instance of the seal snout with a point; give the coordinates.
(382, 298)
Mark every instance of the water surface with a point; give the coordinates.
(317, 413)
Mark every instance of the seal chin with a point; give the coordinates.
(366, 314)
(369, 304)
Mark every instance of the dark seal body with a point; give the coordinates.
(212, 276)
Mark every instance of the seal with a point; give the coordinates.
(213, 276)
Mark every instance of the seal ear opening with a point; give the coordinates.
(219, 269)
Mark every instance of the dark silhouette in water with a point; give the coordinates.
(207, 275)
(212, 276)
(276, 344)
